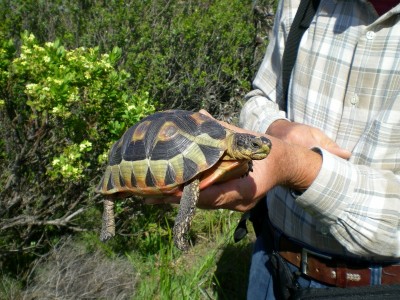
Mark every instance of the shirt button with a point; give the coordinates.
(324, 230)
(370, 35)
(354, 99)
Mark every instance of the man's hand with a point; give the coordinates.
(306, 136)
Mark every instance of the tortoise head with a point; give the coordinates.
(248, 146)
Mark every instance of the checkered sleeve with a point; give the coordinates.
(360, 204)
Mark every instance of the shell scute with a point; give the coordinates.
(134, 151)
(190, 169)
(150, 179)
(133, 180)
(167, 149)
(110, 183)
(170, 176)
(211, 154)
(115, 156)
(215, 132)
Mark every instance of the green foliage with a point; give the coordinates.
(7, 51)
(69, 91)
(203, 47)
(186, 54)
(69, 165)
(60, 112)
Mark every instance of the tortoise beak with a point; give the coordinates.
(262, 147)
(266, 142)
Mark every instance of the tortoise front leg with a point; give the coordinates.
(108, 226)
(186, 211)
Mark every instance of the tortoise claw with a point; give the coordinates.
(105, 235)
(250, 169)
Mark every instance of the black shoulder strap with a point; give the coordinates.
(302, 20)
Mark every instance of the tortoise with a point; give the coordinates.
(175, 152)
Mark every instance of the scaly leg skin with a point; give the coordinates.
(183, 220)
(108, 226)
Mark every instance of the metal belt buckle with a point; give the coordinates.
(304, 258)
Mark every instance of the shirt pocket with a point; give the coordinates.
(379, 147)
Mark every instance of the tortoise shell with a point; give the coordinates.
(166, 150)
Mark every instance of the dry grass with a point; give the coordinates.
(72, 272)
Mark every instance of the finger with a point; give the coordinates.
(152, 201)
(328, 144)
(204, 112)
(236, 194)
(336, 150)
(161, 200)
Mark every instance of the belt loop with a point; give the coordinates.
(376, 275)
(341, 275)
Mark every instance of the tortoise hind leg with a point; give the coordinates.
(186, 211)
(108, 226)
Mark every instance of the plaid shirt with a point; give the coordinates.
(346, 81)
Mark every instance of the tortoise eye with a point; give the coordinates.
(240, 143)
(255, 145)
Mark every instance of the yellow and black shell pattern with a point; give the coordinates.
(162, 152)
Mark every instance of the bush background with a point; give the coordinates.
(74, 75)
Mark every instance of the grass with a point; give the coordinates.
(9, 288)
(214, 268)
(145, 262)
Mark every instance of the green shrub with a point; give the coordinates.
(60, 112)
(78, 93)
(186, 54)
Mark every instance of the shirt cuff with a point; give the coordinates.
(331, 192)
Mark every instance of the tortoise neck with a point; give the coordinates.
(232, 149)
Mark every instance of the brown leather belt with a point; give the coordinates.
(331, 270)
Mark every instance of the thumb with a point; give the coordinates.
(335, 149)
(204, 112)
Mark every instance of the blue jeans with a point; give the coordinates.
(261, 285)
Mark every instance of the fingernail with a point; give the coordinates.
(151, 201)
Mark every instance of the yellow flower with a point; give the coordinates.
(55, 161)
